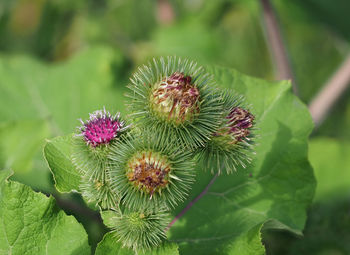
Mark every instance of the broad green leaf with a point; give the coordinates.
(31, 223)
(331, 161)
(109, 245)
(57, 152)
(20, 141)
(248, 243)
(58, 155)
(277, 187)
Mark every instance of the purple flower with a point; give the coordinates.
(239, 123)
(101, 128)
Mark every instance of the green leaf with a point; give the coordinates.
(4, 175)
(248, 243)
(110, 246)
(330, 159)
(31, 223)
(19, 142)
(57, 152)
(278, 187)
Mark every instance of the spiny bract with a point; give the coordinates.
(98, 190)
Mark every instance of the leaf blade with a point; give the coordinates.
(57, 152)
(26, 215)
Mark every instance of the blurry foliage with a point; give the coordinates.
(337, 125)
(332, 13)
(20, 150)
(331, 161)
(317, 35)
(314, 50)
(234, 39)
(223, 32)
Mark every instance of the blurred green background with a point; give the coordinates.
(61, 59)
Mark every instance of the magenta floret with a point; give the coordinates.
(240, 121)
(101, 128)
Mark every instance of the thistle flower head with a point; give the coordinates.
(231, 145)
(147, 171)
(101, 128)
(91, 144)
(139, 230)
(238, 125)
(177, 98)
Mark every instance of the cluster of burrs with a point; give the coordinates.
(140, 171)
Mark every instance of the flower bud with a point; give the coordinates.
(178, 99)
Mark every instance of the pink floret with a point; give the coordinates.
(101, 128)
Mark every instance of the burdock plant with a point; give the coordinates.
(140, 175)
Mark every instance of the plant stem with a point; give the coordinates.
(190, 204)
(329, 94)
(276, 45)
(165, 12)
